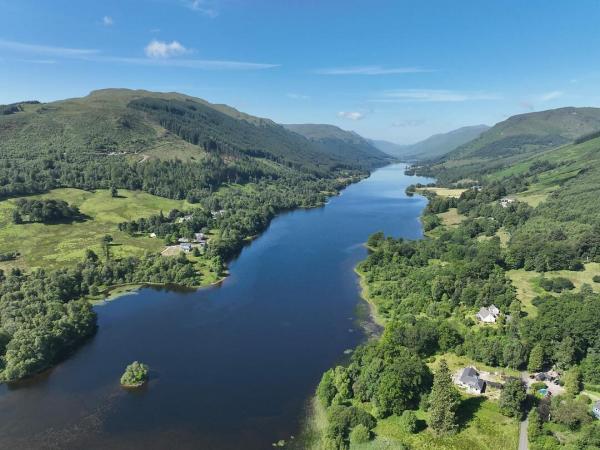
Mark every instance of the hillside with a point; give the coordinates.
(120, 121)
(340, 144)
(434, 146)
(516, 139)
(168, 144)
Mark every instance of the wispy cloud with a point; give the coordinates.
(158, 56)
(107, 21)
(205, 7)
(295, 96)
(408, 123)
(204, 64)
(46, 49)
(161, 49)
(552, 95)
(351, 115)
(432, 95)
(38, 61)
(370, 70)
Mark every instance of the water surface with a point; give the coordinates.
(232, 366)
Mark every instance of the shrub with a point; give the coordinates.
(408, 421)
(360, 434)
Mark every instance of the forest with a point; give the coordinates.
(426, 292)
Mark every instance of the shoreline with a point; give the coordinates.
(115, 292)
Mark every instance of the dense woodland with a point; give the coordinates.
(44, 211)
(429, 290)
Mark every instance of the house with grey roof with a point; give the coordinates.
(596, 409)
(186, 247)
(468, 378)
(488, 314)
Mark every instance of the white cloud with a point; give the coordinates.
(294, 96)
(370, 70)
(204, 7)
(161, 49)
(552, 95)
(108, 21)
(45, 49)
(432, 95)
(352, 115)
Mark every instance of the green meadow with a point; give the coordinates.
(58, 245)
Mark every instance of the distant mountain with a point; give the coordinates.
(516, 139)
(391, 148)
(342, 144)
(433, 147)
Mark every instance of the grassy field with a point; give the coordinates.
(59, 245)
(482, 427)
(451, 217)
(443, 192)
(527, 283)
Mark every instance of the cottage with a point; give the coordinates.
(596, 409)
(183, 240)
(488, 314)
(186, 247)
(468, 378)
(504, 202)
(200, 237)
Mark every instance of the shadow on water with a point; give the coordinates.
(233, 365)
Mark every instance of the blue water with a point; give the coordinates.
(232, 366)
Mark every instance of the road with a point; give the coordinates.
(523, 441)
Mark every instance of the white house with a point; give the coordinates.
(468, 378)
(596, 409)
(504, 202)
(488, 314)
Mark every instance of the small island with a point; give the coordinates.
(135, 375)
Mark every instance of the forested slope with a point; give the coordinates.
(341, 144)
(514, 140)
(536, 257)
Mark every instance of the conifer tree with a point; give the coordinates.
(443, 402)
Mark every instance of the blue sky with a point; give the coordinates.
(396, 70)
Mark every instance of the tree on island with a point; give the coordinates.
(135, 375)
(444, 401)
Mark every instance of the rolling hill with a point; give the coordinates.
(516, 139)
(342, 144)
(161, 125)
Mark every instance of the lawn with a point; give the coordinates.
(443, 192)
(482, 427)
(528, 287)
(60, 245)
